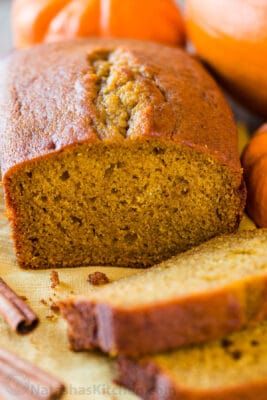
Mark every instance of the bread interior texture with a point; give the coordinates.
(225, 263)
(126, 203)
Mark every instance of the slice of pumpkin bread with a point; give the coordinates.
(114, 152)
(233, 368)
(200, 295)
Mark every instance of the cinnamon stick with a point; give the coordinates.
(20, 379)
(15, 311)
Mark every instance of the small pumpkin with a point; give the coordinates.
(231, 36)
(36, 21)
(254, 161)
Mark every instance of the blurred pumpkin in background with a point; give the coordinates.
(231, 36)
(36, 21)
(254, 161)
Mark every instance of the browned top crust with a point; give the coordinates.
(57, 95)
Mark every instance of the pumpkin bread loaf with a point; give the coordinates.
(203, 294)
(234, 368)
(114, 152)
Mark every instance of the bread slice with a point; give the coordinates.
(114, 153)
(234, 368)
(200, 295)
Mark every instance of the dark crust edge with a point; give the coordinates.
(82, 326)
(195, 319)
(144, 379)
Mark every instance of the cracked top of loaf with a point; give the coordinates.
(57, 95)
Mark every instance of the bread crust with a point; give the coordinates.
(147, 380)
(193, 319)
(47, 104)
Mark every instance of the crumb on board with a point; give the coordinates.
(51, 318)
(98, 278)
(51, 304)
(55, 308)
(54, 278)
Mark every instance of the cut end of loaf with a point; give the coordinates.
(125, 204)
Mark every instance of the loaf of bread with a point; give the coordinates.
(234, 368)
(203, 294)
(114, 153)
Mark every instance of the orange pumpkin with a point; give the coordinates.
(36, 21)
(231, 36)
(255, 165)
